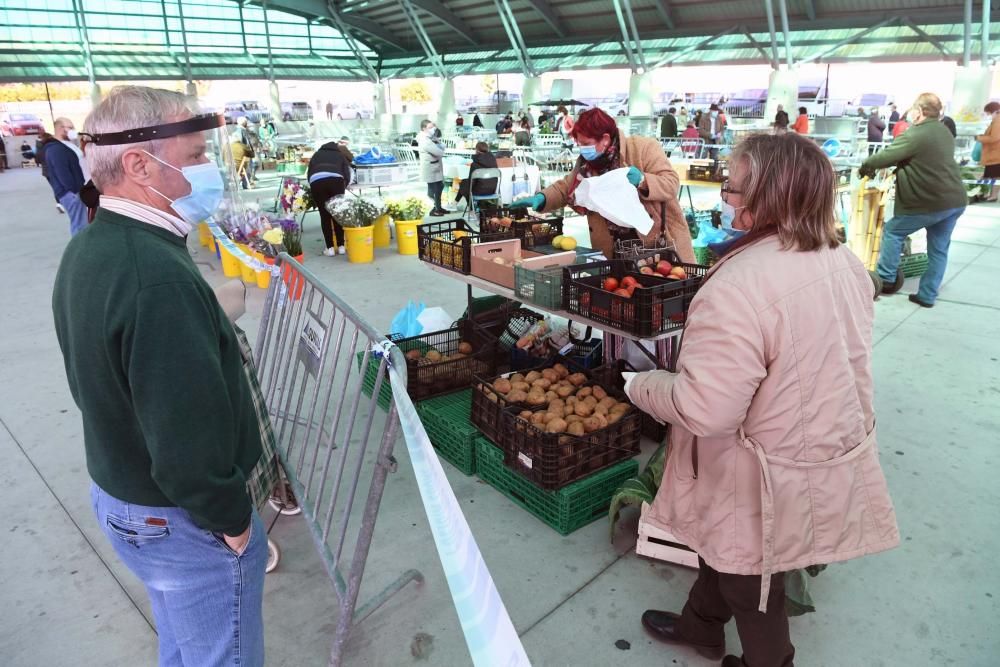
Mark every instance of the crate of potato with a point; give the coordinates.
(448, 244)
(556, 427)
(445, 361)
(489, 404)
(643, 301)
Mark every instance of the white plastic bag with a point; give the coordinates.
(613, 197)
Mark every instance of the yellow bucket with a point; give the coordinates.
(246, 271)
(230, 265)
(205, 235)
(263, 277)
(359, 242)
(406, 236)
(383, 238)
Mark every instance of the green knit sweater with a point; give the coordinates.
(927, 176)
(155, 368)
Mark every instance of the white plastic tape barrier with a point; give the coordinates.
(489, 633)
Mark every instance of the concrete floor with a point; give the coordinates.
(933, 601)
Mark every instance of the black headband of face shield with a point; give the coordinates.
(200, 123)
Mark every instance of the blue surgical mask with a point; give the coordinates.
(590, 153)
(207, 188)
(728, 215)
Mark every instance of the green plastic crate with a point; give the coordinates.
(542, 287)
(704, 256)
(565, 510)
(447, 422)
(368, 382)
(914, 265)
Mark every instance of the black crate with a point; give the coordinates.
(657, 305)
(448, 244)
(425, 379)
(533, 230)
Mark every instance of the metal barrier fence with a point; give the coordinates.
(313, 359)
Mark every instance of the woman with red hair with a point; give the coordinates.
(603, 148)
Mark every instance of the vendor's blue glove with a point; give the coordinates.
(535, 201)
(634, 176)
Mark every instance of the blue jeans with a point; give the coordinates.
(77, 212)
(207, 601)
(939, 226)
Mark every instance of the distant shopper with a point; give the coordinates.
(244, 156)
(154, 365)
(523, 135)
(876, 127)
(44, 139)
(477, 121)
(431, 167)
(689, 140)
(65, 168)
(565, 123)
(459, 121)
(929, 195)
(773, 460)
(27, 154)
(781, 119)
(668, 124)
(949, 122)
(266, 134)
(329, 110)
(861, 113)
(329, 175)
(3, 159)
(900, 126)
(344, 146)
(481, 159)
(525, 116)
(603, 148)
(543, 118)
(712, 128)
(801, 124)
(893, 118)
(621, 113)
(682, 117)
(991, 149)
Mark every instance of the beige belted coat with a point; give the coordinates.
(773, 462)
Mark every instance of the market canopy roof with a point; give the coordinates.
(358, 39)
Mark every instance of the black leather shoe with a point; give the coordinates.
(437, 212)
(896, 286)
(733, 661)
(663, 626)
(915, 299)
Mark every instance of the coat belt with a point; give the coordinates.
(767, 496)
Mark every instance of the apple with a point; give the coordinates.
(610, 284)
(623, 292)
(663, 267)
(628, 281)
(646, 271)
(679, 272)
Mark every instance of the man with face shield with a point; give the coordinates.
(154, 365)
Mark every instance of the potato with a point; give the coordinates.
(532, 376)
(465, 348)
(550, 375)
(502, 385)
(602, 420)
(520, 384)
(536, 398)
(551, 396)
(556, 426)
(556, 402)
(591, 424)
(601, 410)
(413, 355)
(576, 428)
(615, 417)
(591, 401)
(620, 408)
(561, 370)
(608, 402)
(542, 384)
(564, 391)
(525, 414)
(599, 393)
(570, 419)
(572, 400)
(583, 409)
(517, 377)
(538, 418)
(584, 392)
(517, 396)
(549, 416)
(577, 379)
(433, 355)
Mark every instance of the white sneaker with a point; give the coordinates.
(60, 207)
(341, 250)
(330, 252)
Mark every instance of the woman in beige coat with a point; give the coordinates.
(773, 464)
(603, 147)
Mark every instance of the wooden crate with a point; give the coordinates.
(659, 544)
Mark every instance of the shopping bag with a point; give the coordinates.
(977, 152)
(613, 197)
(265, 475)
(406, 323)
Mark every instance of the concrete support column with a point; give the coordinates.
(381, 103)
(95, 94)
(783, 89)
(970, 94)
(446, 104)
(531, 91)
(275, 101)
(640, 94)
(191, 91)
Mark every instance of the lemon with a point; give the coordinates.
(557, 242)
(568, 243)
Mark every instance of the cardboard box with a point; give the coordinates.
(484, 266)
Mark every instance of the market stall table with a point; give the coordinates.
(457, 167)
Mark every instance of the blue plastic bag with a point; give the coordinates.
(977, 152)
(405, 323)
(707, 235)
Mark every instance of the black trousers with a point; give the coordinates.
(323, 190)
(434, 191)
(717, 597)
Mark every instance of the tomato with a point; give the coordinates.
(610, 284)
(629, 281)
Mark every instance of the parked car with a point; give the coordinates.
(20, 124)
(350, 112)
(296, 111)
(250, 108)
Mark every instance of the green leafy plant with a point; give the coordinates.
(414, 208)
(394, 208)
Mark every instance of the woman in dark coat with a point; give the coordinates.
(482, 159)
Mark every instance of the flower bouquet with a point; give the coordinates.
(353, 211)
(411, 208)
(295, 198)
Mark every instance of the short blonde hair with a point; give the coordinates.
(929, 105)
(790, 185)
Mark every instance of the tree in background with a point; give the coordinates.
(415, 92)
(35, 92)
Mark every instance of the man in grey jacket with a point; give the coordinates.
(431, 167)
